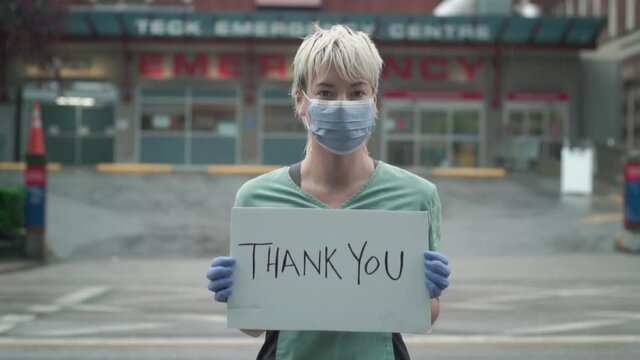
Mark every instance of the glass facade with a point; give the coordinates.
(188, 125)
(282, 136)
(433, 133)
(77, 135)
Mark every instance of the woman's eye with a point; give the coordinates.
(358, 94)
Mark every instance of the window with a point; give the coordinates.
(516, 122)
(216, 119)
(400, 122)
(280, 118)
(433, 122)
(163, 118)
(466, 123)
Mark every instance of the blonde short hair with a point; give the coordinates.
(351, 53)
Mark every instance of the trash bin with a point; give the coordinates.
(632, 194)
(577, 170)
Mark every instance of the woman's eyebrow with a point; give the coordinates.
(359, 83)
(325, 84)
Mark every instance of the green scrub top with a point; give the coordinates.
(388, 188)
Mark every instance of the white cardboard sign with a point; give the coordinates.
(339, 270)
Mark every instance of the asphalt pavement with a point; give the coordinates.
(535, 274)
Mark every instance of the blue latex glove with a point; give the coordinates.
(437, 271)
(219, 276)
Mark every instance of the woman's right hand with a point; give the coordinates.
(219, 276)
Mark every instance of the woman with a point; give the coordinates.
(336, 74)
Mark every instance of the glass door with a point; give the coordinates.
(163, 126)
(189, 125)
(78, 135)
(466, 134)
(539, 126)
(433, 134)
(214, 136)
(282, 136)
(399, 130)
(96, 133)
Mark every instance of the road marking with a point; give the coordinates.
(9, 321)
(603, 218)
(17, 318)
(6, 327)
(475, 306)
(430, 340)
(522, 340)
(102, 308)
(82, 295)
(101, 329)
(542, 294)
(571, 326)
(43, 309)
(199, 317)
(160, 298)
(619, 314)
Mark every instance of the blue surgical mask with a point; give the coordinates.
(341, 126)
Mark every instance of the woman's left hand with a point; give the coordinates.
(437, 271)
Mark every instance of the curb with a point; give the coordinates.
(21, 166)
(134, 168)
(241, 169)
(137, 168)
(470, 172)
(9, 266)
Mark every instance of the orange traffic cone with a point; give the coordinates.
(36, 134)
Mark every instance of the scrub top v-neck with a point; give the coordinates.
(388, 188)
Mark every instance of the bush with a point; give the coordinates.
(12, 212)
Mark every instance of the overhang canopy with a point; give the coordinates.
(507, 30)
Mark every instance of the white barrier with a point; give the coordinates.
(577, 171)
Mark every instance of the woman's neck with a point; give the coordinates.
(336, 171)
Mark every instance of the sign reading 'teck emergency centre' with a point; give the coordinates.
(426, 30)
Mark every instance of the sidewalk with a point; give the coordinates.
(9, 265)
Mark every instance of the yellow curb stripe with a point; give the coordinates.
(615, 197)
(134, 168)
(21, 166)
(241, 169)
(470, 172)
(603, 218)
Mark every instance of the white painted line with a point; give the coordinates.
(619, 314)
(100, 329)
(164, 289)
(16, 318)
(159, 298)
(199, 317)
(10, 321)
(474, 306)
(82, 295)
(560, 293)
(4, 327)
(429, 340)
(102, 308)
(43, 309)
(522, 340)
(572, 326)
(129, 342)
